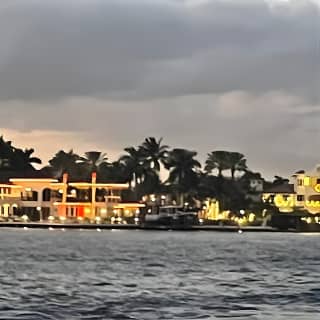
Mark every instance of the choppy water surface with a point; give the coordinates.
(158, 275)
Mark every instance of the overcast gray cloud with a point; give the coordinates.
(232, 74)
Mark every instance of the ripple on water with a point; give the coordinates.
(158, 275)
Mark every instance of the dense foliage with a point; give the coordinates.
(144, 165)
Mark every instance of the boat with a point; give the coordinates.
(171, 217)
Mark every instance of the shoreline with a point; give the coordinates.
(212, 228)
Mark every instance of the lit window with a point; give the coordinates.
(307, 181)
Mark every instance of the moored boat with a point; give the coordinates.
(174, 217)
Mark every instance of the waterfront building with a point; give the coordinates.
(47, 198)
(301, 193)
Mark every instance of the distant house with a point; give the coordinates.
(39, 198)
(255, 186)
(301, 193)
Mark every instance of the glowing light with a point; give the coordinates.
(313, 204)
(129, 205)
(251, 217)
(307, 181)
(281, 202)
(116, 186)
(317, 187)
(25, 218)
(32, 180)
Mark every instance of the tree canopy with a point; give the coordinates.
(144, 167)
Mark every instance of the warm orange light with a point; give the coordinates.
(100, 185)
(70, 204)
(32, 180)
(10, 186)
(129, 205)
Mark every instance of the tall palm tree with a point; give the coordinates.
(113, 172)
(183, 171)
(64, 162)
(134, 163)
(24, 160)
(154, 153)
(237, 162)
(225, 160)
(217, 160)
(6, 153)
(93, 160)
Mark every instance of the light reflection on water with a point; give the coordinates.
(158, 275)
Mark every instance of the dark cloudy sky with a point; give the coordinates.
(240, 75)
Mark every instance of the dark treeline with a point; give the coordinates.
(224, 176)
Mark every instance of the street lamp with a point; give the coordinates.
(40, 213)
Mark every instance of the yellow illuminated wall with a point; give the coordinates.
(284, 203)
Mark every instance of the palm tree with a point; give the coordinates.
(154, 153)
(183, 171)
(6, 153)
(65, 162)
(23, 159)
(93, 160)
(225, 160)
(237, 162)
(217, 160)
(134, 163)
(113, 172)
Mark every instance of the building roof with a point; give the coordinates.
(282, 188)
(314, 197)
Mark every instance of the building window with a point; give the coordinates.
(300, 197)
(72, 212)
(318, 181)
(46, 195)
(29, 195)
(307, 181)
(300, 182)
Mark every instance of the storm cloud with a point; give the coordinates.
(233, 74)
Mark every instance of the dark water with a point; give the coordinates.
(158, 275)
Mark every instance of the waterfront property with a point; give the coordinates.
(302, 193)
(48, 199)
